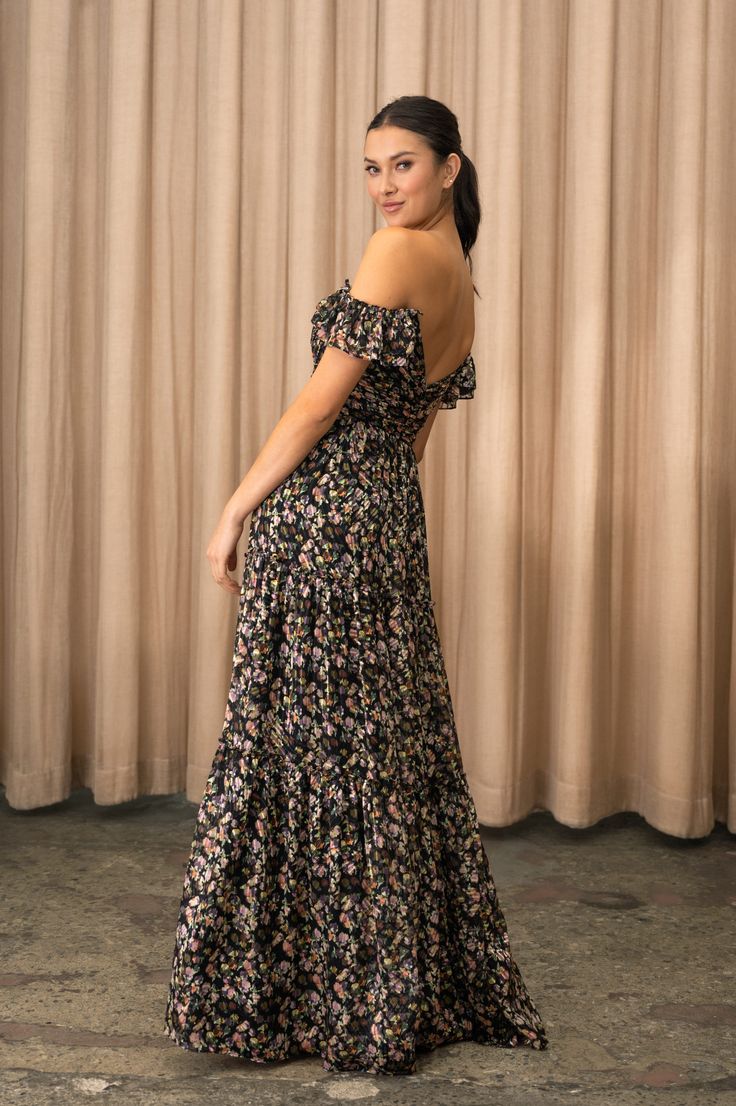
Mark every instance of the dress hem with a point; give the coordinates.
(293, 1051)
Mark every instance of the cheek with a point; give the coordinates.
(413, 184)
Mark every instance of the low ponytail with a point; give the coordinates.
(467, 204)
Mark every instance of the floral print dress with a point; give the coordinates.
(338, 900)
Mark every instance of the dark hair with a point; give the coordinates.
(438, 125)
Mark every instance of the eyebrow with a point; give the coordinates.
(393, 156)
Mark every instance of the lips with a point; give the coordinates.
(392, 207)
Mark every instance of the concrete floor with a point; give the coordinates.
(625, 937)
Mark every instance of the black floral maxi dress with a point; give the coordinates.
(338, 899)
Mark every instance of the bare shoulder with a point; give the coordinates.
(388, 271)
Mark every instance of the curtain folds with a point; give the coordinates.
(181, 182)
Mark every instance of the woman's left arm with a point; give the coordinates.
(384, 271)
(303, 423)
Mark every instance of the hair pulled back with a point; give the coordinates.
(438, 126)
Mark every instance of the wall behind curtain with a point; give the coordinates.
(181, 182)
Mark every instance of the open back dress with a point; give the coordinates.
(338, 899)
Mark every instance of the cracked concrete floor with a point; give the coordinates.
(624, 935)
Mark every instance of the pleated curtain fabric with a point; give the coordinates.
(180, 183)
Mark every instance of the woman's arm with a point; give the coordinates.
(302, 424)
(313, 411)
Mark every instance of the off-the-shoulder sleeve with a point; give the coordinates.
(461, 386)
(358, 329)
(362, 329)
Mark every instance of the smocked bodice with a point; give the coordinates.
(393, 391)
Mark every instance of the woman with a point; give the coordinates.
(338, 899)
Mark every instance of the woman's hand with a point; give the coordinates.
(222, 551)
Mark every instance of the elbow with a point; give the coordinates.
(316, 414)
(325, 419)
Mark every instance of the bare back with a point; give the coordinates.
(443, 292)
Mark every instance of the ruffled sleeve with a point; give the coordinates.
(362, 329)
(461, 384)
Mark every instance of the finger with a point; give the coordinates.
(228, 584)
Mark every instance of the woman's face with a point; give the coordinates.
(401, 170)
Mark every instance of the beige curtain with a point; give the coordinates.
(181, 182)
